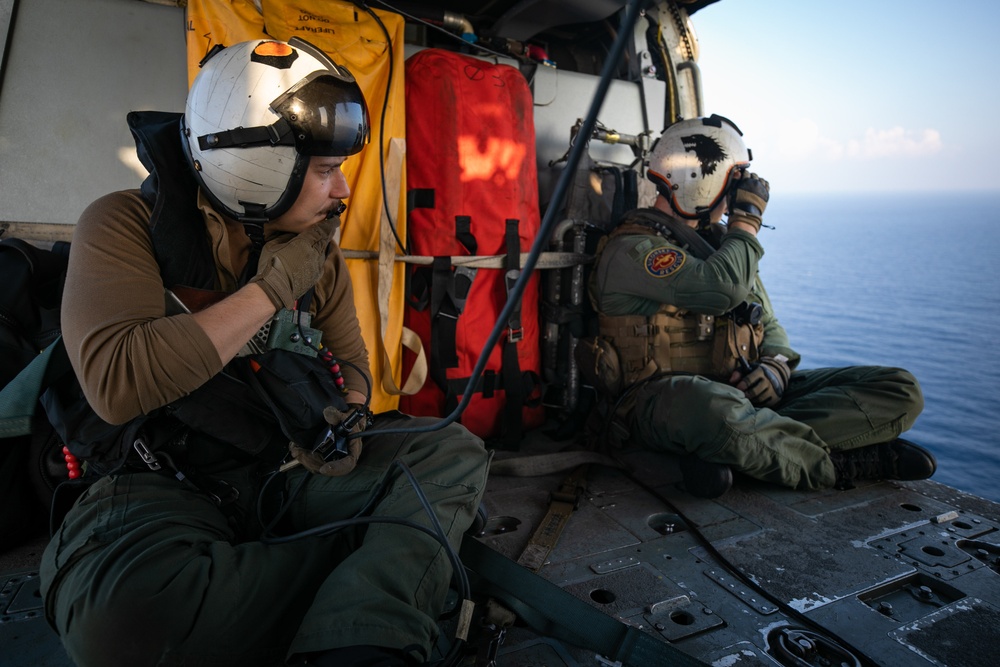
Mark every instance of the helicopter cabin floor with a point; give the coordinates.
(905, 573)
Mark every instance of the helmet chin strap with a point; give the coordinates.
(253, 225)
(704, 217)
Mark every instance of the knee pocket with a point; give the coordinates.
(693, 411)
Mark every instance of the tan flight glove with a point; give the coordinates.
(314, 461)
(766, 382)
(748, 200)
(292, 263)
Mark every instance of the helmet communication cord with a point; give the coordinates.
(460, 577)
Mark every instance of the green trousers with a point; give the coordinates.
(822, 410)
(145, 570)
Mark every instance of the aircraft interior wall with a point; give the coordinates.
(72, 71)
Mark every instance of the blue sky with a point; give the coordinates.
(849, 96)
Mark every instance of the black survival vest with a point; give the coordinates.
(257, 403)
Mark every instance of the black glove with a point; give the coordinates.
(748, 199)
(335, 467)
(292, 263)
(766, 381)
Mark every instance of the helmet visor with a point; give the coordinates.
(327, 114)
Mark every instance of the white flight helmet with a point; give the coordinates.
(692, 163)
(256, 113)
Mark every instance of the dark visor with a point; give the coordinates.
(320, 115)
(328, 115)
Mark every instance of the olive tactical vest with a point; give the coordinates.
(631, 348)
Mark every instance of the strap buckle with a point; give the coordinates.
(487, 655)
(459, 287)
(146, 454)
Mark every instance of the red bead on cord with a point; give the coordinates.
(334, 367)
(72, 463)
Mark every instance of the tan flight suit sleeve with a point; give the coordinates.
(129, 357)
(337, 317)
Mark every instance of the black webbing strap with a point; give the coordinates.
(419, 198)
(463, 232)
(255, 231)
(669, 227)
(510, 364)
(490, 382)
(552, 612)
(279, 133)
(449, 291)
(630, 189)
(444, 319)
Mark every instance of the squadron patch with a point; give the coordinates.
(661, 262)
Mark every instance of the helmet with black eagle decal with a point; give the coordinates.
(693, 163)
(257, 112)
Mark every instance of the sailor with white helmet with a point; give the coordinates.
(225, 455)
(691, 359)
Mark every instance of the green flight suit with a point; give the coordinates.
(160, 568)
(822, 410)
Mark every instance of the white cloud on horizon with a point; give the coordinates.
(802, 139)
(895, 142)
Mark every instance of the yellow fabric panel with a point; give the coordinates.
(353, 38)
(225, 22)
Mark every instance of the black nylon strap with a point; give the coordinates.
(512, 264)
(256, 234)
(630, 188)
(444, 319)
(552, 612)
(278, 133)
(463, 232)
(419, 198)
(418, 293)
(670, 228)
(510, 365)
(490, 382)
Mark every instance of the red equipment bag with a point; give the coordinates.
(472, 190)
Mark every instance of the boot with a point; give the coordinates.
(703, 479)
(898, 459)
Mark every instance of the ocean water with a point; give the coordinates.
(909, 280)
